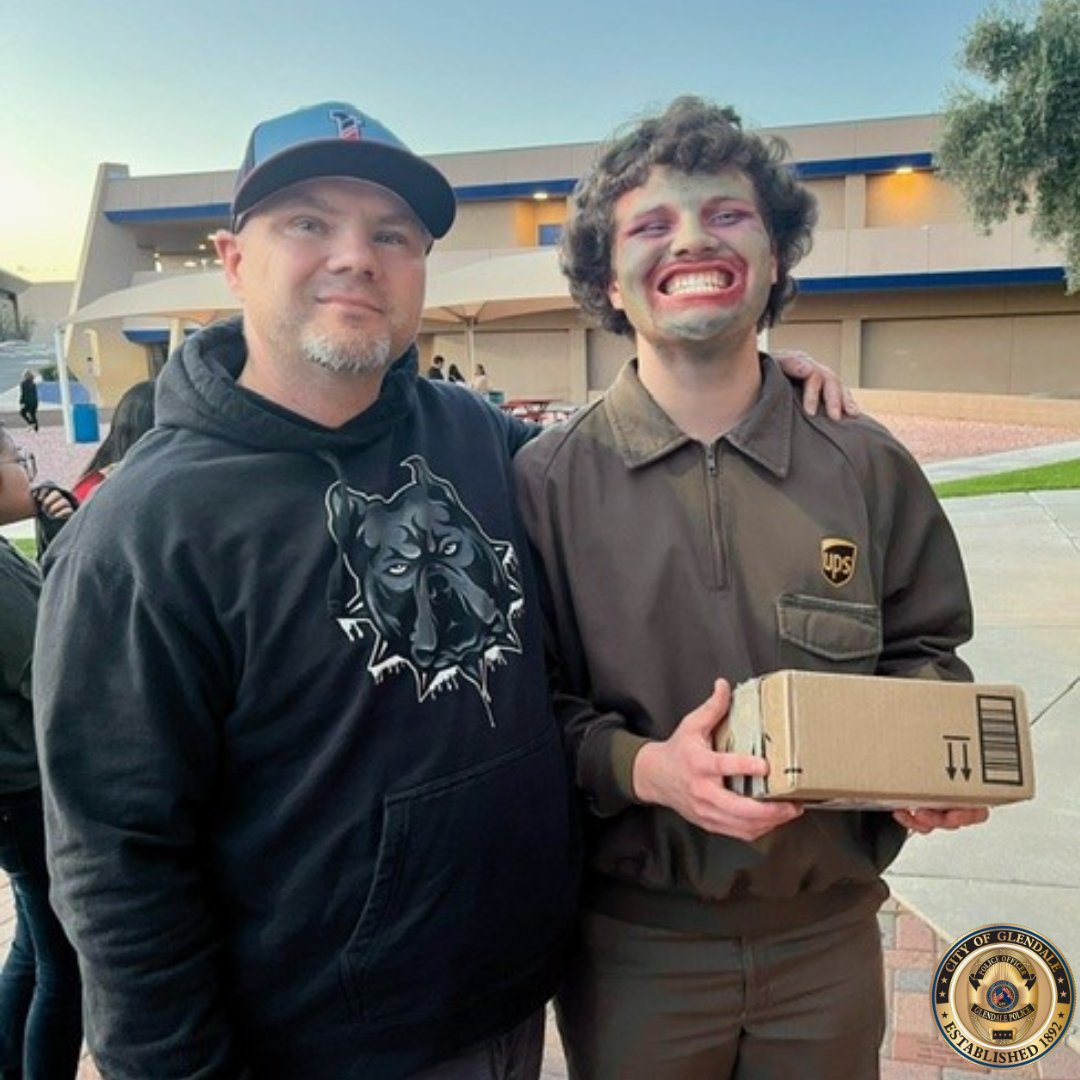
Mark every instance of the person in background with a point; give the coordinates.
(454, 374)
(480, 381)
(436, 370)
(18, 469)
(684, 525)
(28, 399)
(40, 992)
(44, 502)
(132, 418)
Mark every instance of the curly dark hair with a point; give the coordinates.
(691, 136)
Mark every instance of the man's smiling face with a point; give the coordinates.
(692, 260)
(330, 270)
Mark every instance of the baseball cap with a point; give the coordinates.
(337, 139)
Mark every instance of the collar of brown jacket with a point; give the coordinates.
(644, 433)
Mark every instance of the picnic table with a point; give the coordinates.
(540, 410)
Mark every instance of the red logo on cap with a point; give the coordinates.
(348, 125)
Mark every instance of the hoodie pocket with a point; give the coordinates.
(473, 893)
(817, 634)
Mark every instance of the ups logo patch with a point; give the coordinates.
(838, 560)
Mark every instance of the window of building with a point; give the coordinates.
(915, 198)
(549, 235)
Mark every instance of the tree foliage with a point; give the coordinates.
(12, 327)
(1014, 144)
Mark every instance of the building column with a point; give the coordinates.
(855, 202)
(578, 366)
(851, 352)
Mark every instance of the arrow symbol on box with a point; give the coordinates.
(951, 768)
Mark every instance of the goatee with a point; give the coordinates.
(365, 358)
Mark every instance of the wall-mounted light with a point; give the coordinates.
(905, 170)
(540, 196)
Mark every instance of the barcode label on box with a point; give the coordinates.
(999, 733)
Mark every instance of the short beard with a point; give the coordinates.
(371, 357)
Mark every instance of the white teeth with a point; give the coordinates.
(682, 284)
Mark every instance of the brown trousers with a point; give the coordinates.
(641, 1003)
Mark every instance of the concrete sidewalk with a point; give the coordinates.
(1022, 554)
(1007, 461)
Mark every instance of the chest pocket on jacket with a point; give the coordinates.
(817, 634)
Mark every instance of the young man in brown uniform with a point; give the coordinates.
(683, 523)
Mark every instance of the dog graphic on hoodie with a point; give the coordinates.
(439, 596)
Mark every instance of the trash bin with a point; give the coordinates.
(84, 423)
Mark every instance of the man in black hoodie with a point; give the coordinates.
(307, 805)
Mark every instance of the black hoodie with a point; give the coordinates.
(307, 805)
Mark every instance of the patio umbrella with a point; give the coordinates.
(497, 288)
(198, 297)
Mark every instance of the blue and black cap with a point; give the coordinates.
(337, 139)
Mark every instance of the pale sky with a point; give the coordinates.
(176, 87)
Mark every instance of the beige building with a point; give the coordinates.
(900, 291)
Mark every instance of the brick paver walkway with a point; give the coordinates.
(913, 1047)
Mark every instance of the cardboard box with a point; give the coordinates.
(847, 741)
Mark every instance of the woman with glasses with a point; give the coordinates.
(48, 504)
(40, 992)
(18, 470)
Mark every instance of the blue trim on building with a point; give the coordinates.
(153, 337)
(147, 337)
(867, 166)
(863, 166)
(946, 279)
(169, 213)
(807, 170)
(951, 279)
(517, 190)
(466, 193)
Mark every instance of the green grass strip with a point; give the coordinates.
(26, 546)
(1058, 476)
